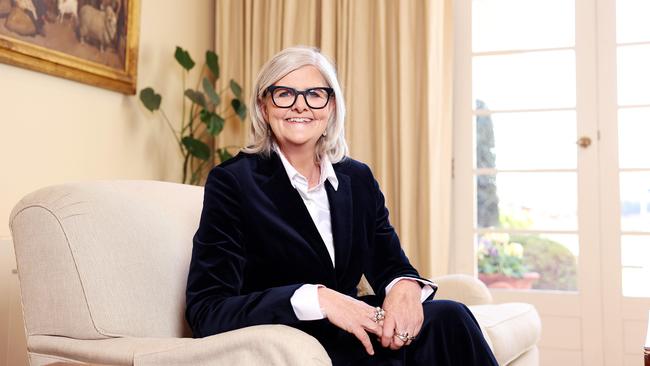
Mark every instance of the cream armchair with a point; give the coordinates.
(511, 329)
(103, 265)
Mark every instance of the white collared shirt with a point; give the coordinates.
(315, 198)
(305, 299)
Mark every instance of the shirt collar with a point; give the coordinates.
(326, 169)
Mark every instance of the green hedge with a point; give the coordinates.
(553, 261)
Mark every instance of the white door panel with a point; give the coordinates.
(507, 67)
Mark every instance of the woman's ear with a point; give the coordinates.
(332, 105)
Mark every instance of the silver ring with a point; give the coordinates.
(403, 336)
(379, 315)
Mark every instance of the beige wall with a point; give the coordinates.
(53, 130)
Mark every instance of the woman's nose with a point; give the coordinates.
(301, 103)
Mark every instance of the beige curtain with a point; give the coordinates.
(394, 60)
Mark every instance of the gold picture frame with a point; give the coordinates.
(90, 41)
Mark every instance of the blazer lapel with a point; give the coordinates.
(341, 214)
(292, 208)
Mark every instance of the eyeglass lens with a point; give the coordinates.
(286, 97)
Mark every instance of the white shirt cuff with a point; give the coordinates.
(427, 290)
(305, 303)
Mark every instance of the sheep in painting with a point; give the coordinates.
(97, 25)
(67, 7)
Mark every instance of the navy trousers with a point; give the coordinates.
(449, 336)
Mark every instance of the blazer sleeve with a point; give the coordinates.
(387, 259)
(214, 299)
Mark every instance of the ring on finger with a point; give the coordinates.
(403, 336)
(379, 314)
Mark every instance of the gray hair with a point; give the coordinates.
(333, 142)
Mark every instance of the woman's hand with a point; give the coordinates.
(351, 315)
(403, 313)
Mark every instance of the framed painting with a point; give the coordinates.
(90, 41)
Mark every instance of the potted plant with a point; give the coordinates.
(205, 117)
(500, 263)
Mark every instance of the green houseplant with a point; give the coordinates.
(205, 117)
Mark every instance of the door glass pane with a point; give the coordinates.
(632, 21)
(526, 80)
(633, 134)
(535, 140)
(633, 74)
(635, 258)
(539, 261)
(635, 201)
(532, 201)
(522, 24)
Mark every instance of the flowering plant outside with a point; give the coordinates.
(497, 254)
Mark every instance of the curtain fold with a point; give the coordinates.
(394, 60)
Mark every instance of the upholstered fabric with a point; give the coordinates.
(513, 328)
(103, 265)
(259, 345)
(530, 357)
(463, 288)
(111, 351)
(49, 282)
(121, 251)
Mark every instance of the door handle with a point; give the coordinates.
(584, 142)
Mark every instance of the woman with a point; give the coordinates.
(289, 226)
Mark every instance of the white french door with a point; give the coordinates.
(552, 167)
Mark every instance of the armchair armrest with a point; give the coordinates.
(463, 288)
(257, 345)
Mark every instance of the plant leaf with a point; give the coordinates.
(240, 108)
(196, 97)
(215, 124)
(213, 121)
(212, 60)
(205, 115)
(236, 89)
(223, 154)
(212, 94)
(196, 148)
(184, 59)
(150, 99)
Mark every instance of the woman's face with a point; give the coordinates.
(299, 126)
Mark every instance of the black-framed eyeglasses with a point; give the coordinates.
(286, 97)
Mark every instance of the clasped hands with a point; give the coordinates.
(402, 316)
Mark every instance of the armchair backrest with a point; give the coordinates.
(106, 259)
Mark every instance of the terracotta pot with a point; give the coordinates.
(499, 280)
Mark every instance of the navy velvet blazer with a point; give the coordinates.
(256, 244)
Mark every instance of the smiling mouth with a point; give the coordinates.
(299, 120)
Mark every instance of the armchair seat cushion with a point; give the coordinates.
(511, 328)
(257, 345)
(110, 351)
